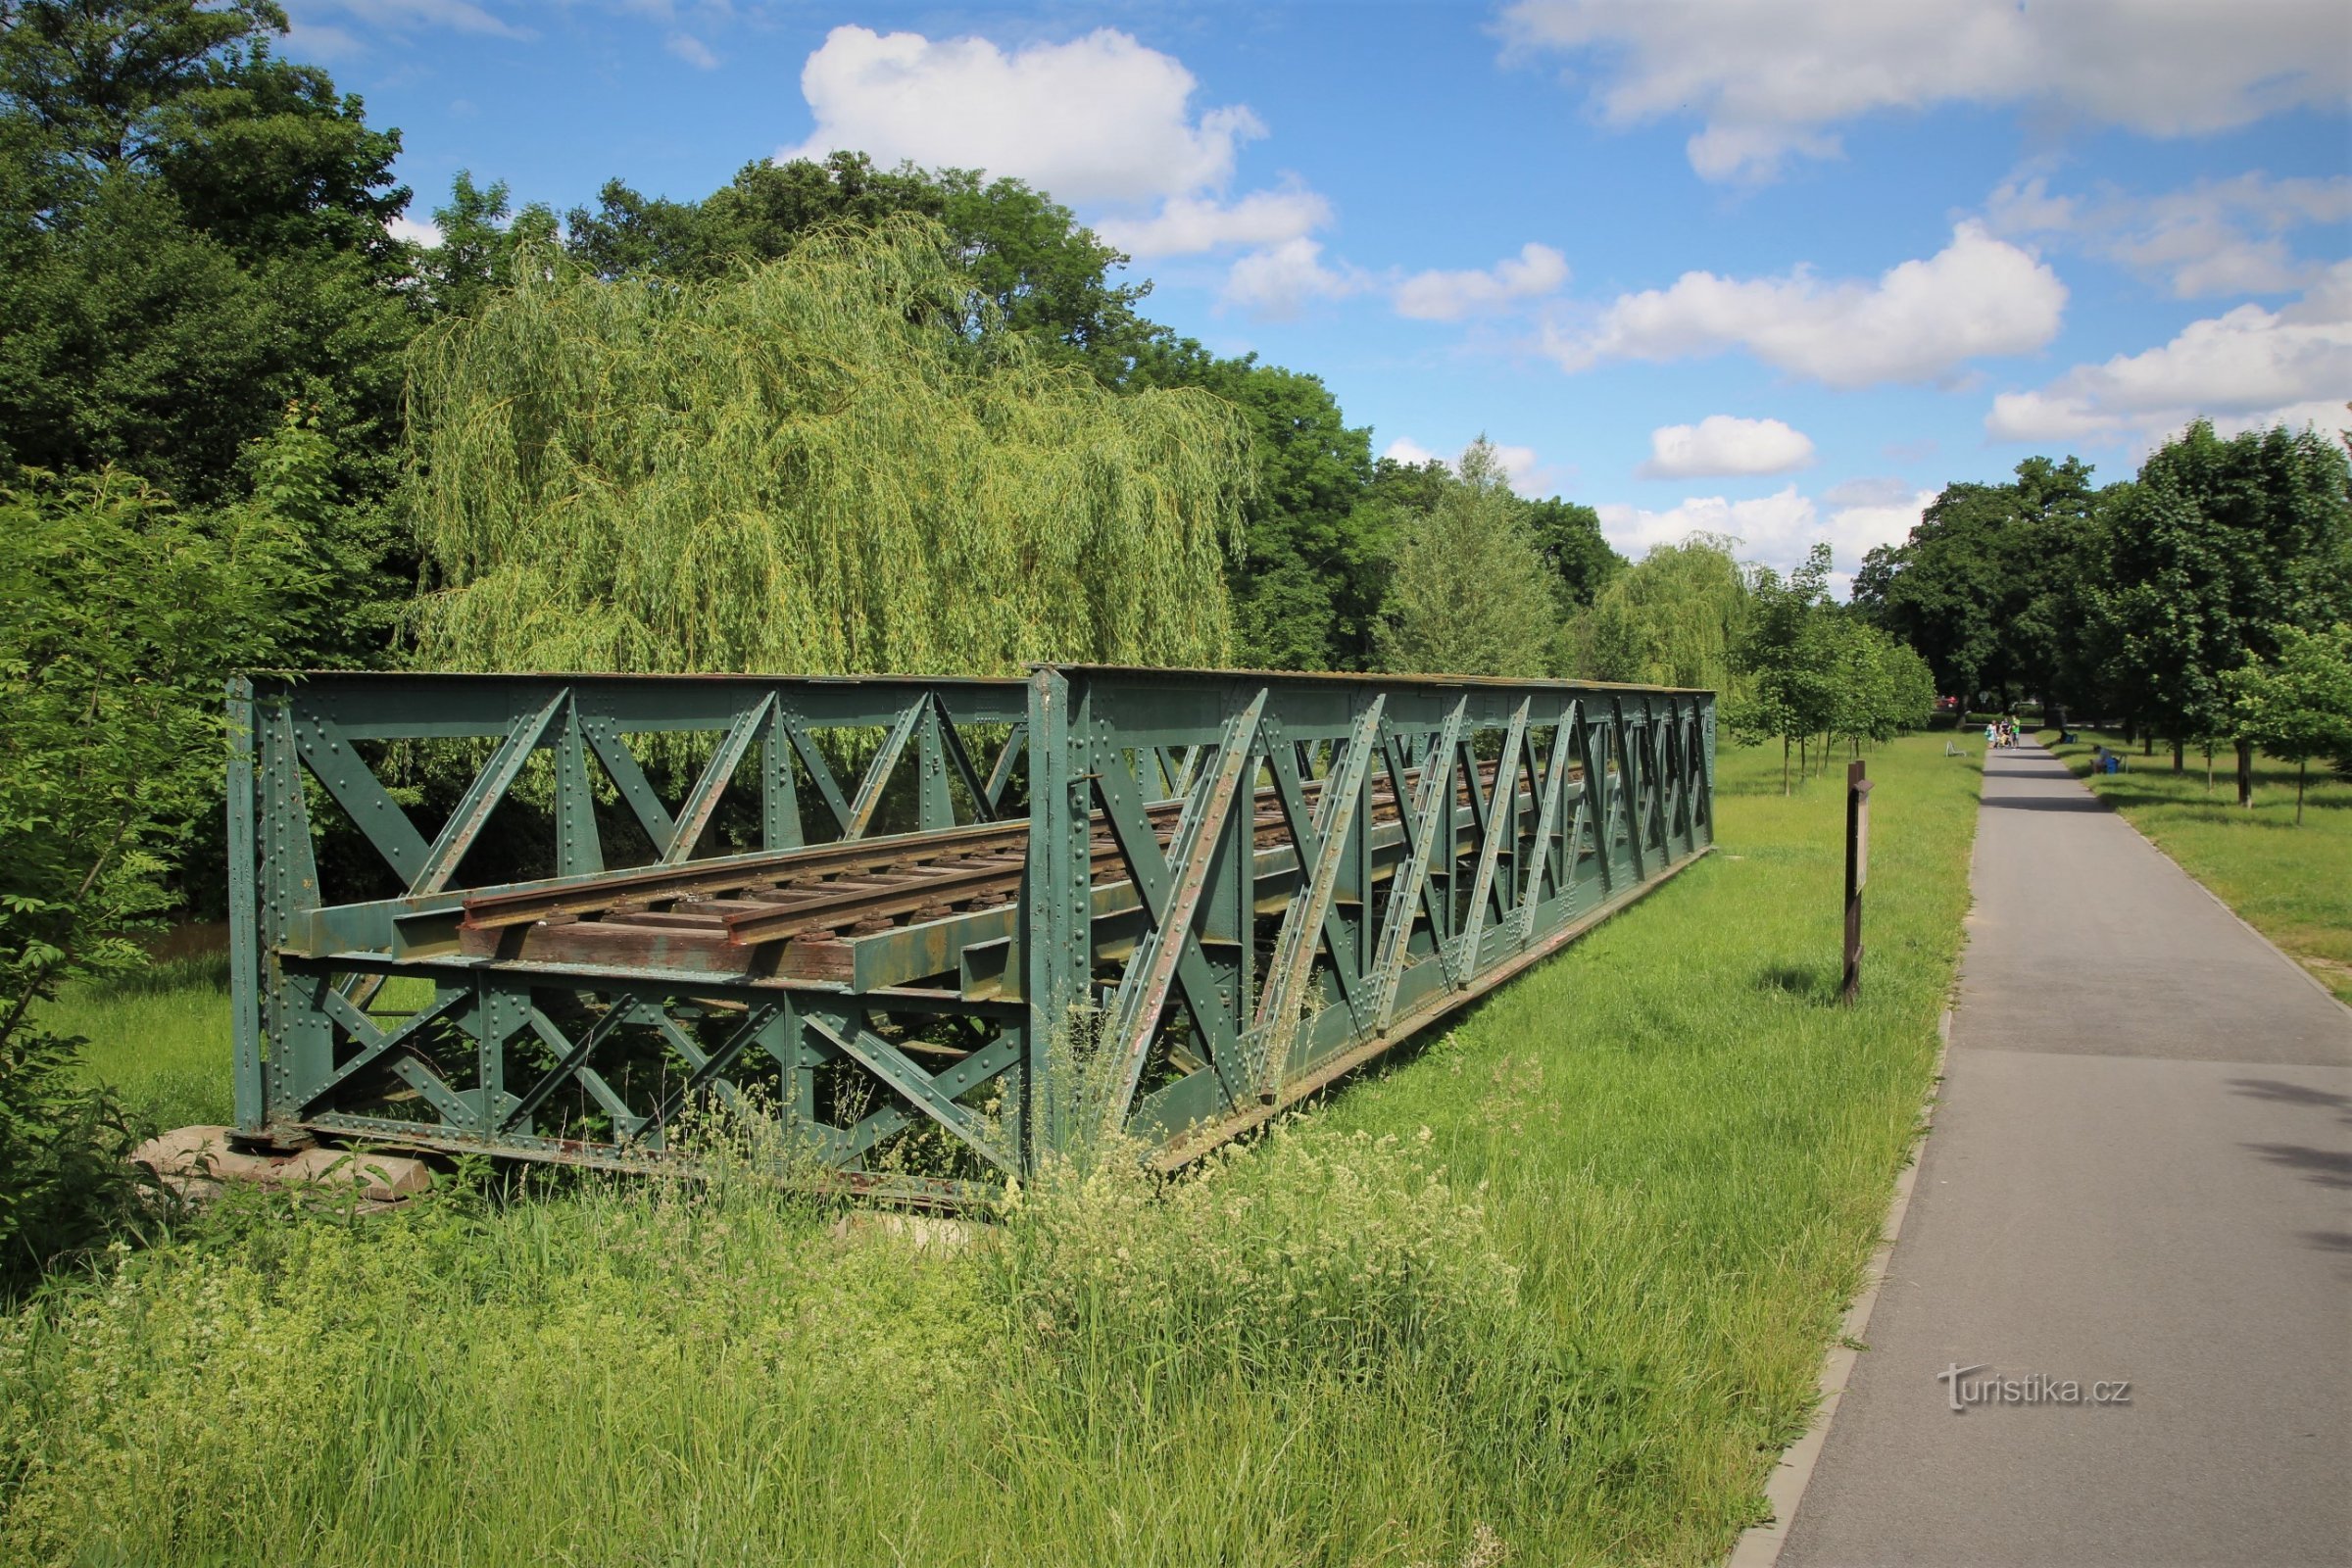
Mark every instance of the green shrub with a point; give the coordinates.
(64, 1179)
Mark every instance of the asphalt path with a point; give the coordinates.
(2141, 1173)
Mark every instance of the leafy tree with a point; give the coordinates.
(119, 616)
(193, 236)
(2218, 546)
(1911, 687)
(1307, 579)
(1991, 586)
(1029, 264)
(1569, 538)
(1673, 618)
(589, 458)
(483, 240)
(2298, 703)
(1803, 672)
(1469, 596)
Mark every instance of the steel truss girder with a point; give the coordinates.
(1334, 862)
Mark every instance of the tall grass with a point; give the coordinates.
(2289, 880)
(1553, 1291)
(159, 1037)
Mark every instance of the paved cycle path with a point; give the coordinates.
(2141, 1170)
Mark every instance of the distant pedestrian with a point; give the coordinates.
(1992, 734)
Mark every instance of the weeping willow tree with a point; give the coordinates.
(804, 468)
(1673, 618)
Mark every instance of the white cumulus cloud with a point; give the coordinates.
(1098, 118)
(1411, 453)
(2215, 237)
(696, 53)
(1185, 225)
(1724, 444)
(1772, 78)
(2245, 368)
(1441, 296)
(1775, 529)
(415, 232)
(1281, 281)
(1917, 322)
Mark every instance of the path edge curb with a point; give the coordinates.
(1760, 1545)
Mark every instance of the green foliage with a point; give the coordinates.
(117, 620)
(483, 241)
(1815, 669)
(1673, 618)
(192, 236)
(65, 1183)
(1347, 1251)
(1996, 582)
(799, 468)
(1307, 582)
(1569, 539)
(1026, 261)
(2218, 546)
(1469, 595)
(2298, 703)
(1791, 651)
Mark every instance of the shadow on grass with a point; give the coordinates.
(1818, 985)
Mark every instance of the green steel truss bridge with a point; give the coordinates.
(977, 919)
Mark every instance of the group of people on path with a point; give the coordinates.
(1999, 734)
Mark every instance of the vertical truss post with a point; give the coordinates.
(301, 1039)
(1056, 910)
(244, 944)
(936, 807)
(577, 848)
(779, 787)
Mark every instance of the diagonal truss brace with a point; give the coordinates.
(933, 1097)
(1143, 993)
(1431, 814)
(1323, 844)
(1498, 828)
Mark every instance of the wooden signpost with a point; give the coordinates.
(1857, 872)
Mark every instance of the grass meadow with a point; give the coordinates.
(2293, 883)
(1551, 1289)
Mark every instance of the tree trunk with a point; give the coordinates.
(1804, 758)
(1784, 764)
(2246, 774)
(2209, 767)
(2301, 763)
(2177, 744)
(2147, 743)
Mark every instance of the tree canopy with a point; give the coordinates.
(797, 467)
(1469, 595)
(192, 237)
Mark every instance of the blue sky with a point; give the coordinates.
(1773, 269)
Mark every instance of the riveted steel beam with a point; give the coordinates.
(1214, 892)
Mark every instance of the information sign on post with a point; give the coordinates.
(1857, 872)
